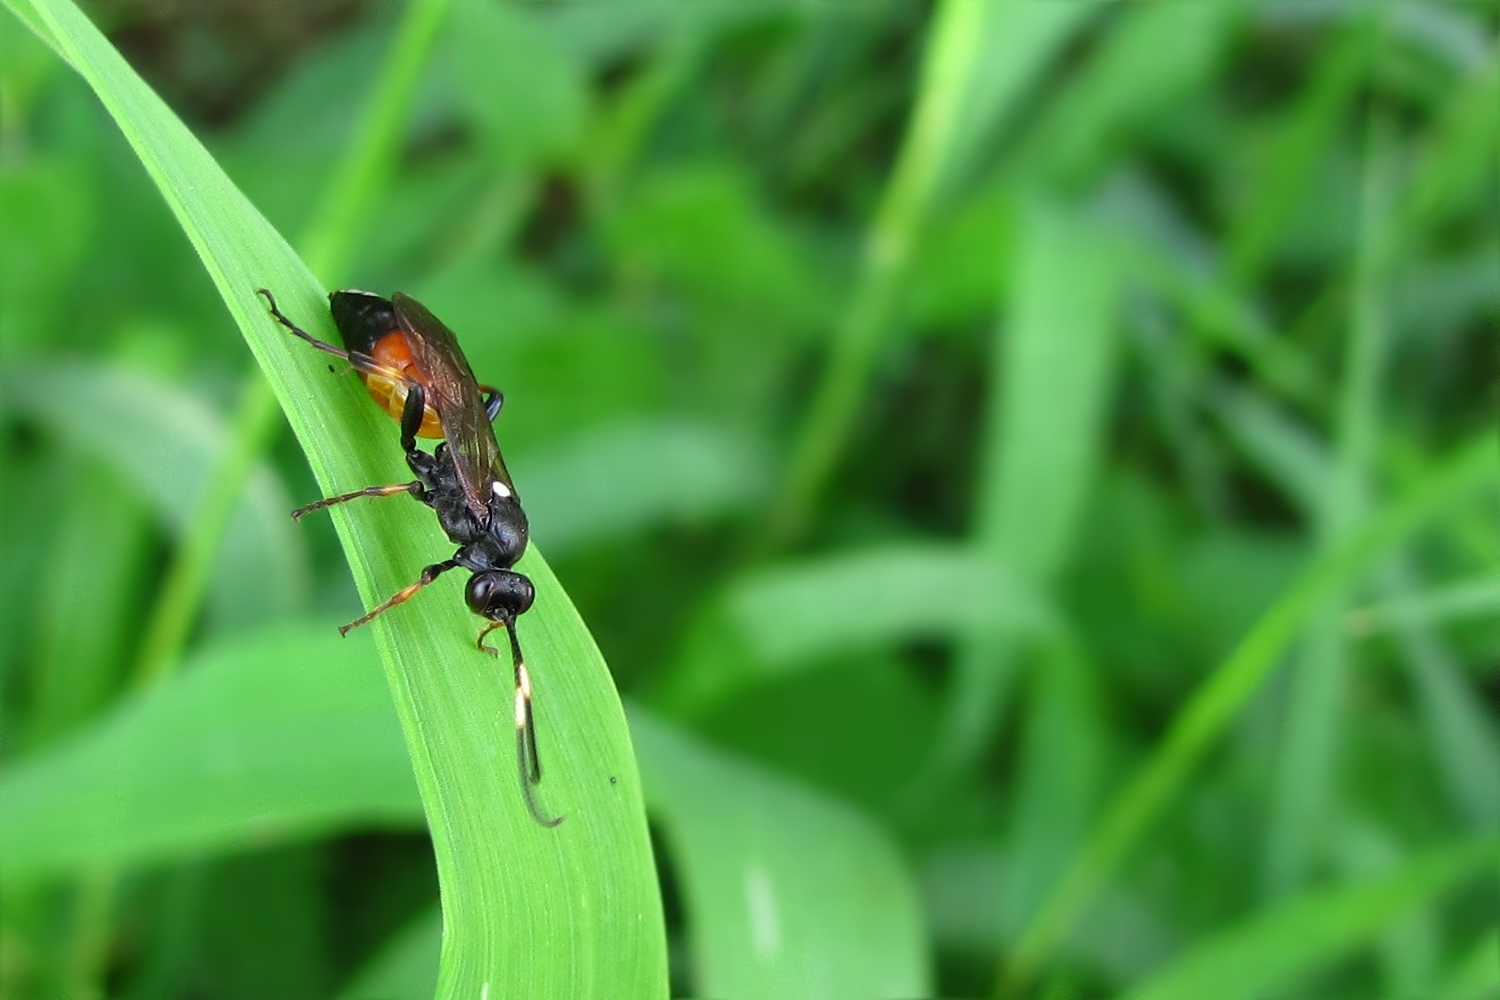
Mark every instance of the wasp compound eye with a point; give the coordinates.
(499, 594)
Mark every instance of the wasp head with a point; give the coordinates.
(499, 594)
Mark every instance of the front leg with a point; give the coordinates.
(493, 400)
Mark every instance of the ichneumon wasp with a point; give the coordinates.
(413, 367)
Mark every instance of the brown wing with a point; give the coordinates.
(453, 392)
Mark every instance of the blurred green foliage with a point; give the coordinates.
(1029, 465)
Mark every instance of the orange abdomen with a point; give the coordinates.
(391, 351)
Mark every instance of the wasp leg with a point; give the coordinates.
(493, 400)
(411, 416)
(528, 763)
(358, 361)
(404, 594)
(414, 488)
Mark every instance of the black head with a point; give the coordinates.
(499, 594)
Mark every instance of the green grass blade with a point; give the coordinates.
(789, 894)
(1052, 369)
(360, 177)
(1270, 952)
(1229, 688)
(1469, 599)
(1286, 452)
(1474, 975)
(979, 60)
(876, 598)
(851, 602)
(570, 912)
(278, 734)
(92, 549)
(1052, 372)
(164, 443)
(630, 477)
(406, 968)
(1460, 726)
(293, 736)
(1307, 779)
(193, 567)
(353, 191)
(1294, 146)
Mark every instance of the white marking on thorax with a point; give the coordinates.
(501, 490)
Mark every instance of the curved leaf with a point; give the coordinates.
(788, 893)
(572, 911)
(778, 620)
(270, 735)
(165, 442)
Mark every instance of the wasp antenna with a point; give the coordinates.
(528, 763)
(527, 792)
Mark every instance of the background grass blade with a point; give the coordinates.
(609, 486)
(504, 879)
(279, 736)
(791, 894)
(1053, 369)
(1226, 692)
(801, 614)
(1273, 951)
(165, 442)
(1308, 784)
(979, 58)
(406, 969)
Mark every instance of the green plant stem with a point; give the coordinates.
(1217, 700)
(952, 53)
(831, 415)
(360, 179)
(626, 125)
(1307, 785)
(182, 593)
